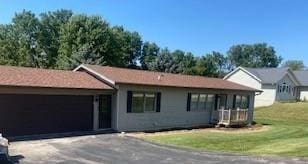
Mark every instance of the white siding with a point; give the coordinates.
(243, 78)
(303, 91)
(266, 98)
(173, 111)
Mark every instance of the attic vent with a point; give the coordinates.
(160, 76)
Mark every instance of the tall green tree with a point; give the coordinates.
(255, 55)
(173, 62)
(206, 66)
(26, 27)
(188, 63)
(164, 62)
(178, 57)
(221, 63)
(86, 39)
(148, 54)
(51, 23)
(294, 64)
(64, 40)
(9, 46)
(128, 45)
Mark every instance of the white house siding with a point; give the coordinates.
(303, 92)
(243, 78)
(267, 97)
(283, 96)
(173, 112)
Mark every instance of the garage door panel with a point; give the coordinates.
(40, 114)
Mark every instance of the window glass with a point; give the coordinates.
(210, 102)
(241, 102)
(244, 104)
(137, 102)
(202, 102)
(194, 101)
(222, 100)
(284, 87)
(149, 102)
(238, 101)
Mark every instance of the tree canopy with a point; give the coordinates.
(294, 65)
(63, 40)
(254, 55)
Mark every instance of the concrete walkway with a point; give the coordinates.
(114, 149)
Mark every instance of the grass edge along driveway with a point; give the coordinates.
(284, 133)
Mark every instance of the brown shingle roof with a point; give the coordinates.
(131, 76)
(34, 77)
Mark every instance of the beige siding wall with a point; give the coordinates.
(243, 78)
(173, 109)
(303, 92)
(285, 96)
(267, 97)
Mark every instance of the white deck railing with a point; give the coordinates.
(232, 116)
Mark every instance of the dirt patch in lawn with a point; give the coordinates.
(253, 129)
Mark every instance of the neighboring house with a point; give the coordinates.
(277, 84)
(302, 77)
(39, 101)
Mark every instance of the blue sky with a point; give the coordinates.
(198, 26)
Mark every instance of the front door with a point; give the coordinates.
(104, 111)
(220, 103)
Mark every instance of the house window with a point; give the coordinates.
(143, 102)
(149, 102)
(284, 88)
(138, 103)
(210, 102)
(201, 102)
(241, 101)
(194, 102)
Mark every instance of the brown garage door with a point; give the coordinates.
(41, 114)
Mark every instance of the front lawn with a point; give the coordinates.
(284, 133)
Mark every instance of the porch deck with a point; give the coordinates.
(229, 117)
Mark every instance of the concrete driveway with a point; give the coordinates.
(113, 149)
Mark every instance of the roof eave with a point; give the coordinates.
(231, 89)
(55, 87)
(96, 74)
(243, 69)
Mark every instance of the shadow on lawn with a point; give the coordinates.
(254, 123)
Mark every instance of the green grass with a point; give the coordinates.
(286, 134)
